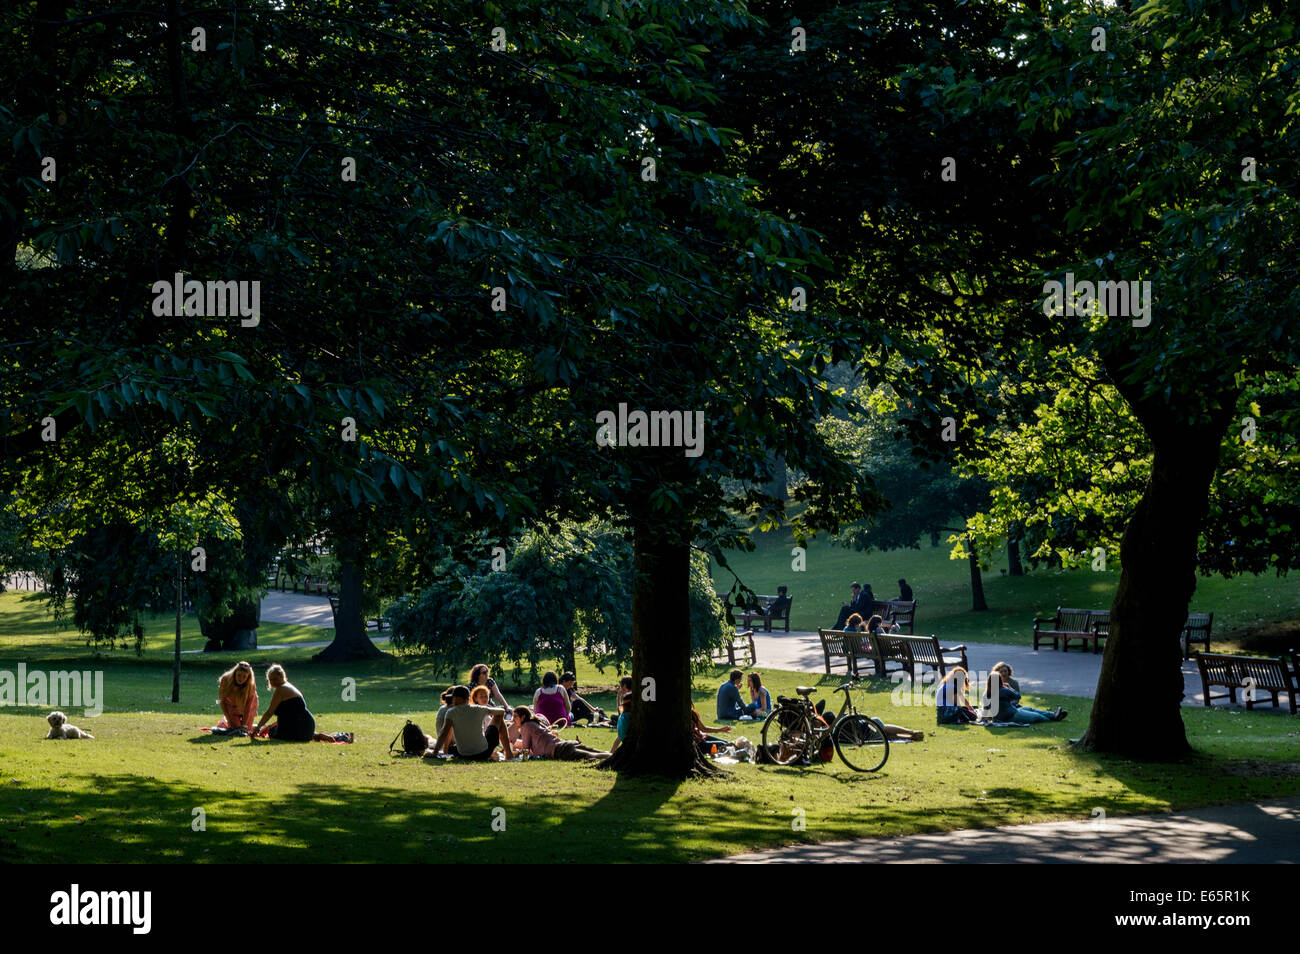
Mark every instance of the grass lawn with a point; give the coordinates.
(131, 794)
(1241, 606)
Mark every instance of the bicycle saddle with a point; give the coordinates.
(804, 691)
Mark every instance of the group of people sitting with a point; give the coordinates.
(476, 720)
(861, 605)
(237, 696)
(1001, 700)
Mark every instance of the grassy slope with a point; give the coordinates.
(130, 795)
(942, 590)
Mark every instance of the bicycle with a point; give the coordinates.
(792, 733)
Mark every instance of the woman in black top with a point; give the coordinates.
(294, 722)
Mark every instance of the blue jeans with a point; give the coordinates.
(1027, 716)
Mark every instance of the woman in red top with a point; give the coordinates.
(237, 695)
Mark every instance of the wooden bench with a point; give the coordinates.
(902, 612)
(318, 586)
(1271, 674)
(1197, 630)
(1070, 624)
(748, 617)
(846, 649)
(738, 651)
(913, 651)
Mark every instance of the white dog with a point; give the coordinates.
(60, 728)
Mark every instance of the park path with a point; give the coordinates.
(1047, 670)
(1070, 674)
(1265, 832)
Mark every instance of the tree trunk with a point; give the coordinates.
(976, 579)
(176, 660)
(1015, 567)
(1143, 655)
(659, 739)
(350, 639)
(776, 487)
(934, 538)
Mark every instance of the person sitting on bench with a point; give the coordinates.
(858, 603)
(777, 608)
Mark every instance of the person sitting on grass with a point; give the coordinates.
(294, 721)
(759, 695)
(551, 701)
(1002, 701)
(538, 739)
(580, 707)
(624, 717)
(481, 675)
(951, 705)
(466, 722)
(700, 732)
(439, 721)
(730, 705)
(237, 696)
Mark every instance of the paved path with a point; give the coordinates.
(1048, 670)
(1071, 674)
(1251, 833)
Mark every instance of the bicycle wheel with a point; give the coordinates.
(861, 743)
(786, 735)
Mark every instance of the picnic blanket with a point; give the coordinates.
(265, 733)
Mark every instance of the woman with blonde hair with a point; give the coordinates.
(953, 708)
(237, 696)
(294, 721)
(1002, 700)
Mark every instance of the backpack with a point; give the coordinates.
(413, 739)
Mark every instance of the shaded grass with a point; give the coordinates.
(130, 795)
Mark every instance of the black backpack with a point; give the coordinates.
(413, 739)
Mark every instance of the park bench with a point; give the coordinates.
(1271, 674)
(1070, 624)
(316, 585)
(738, 650)
(913, 651)
(902, 612)
(748, 617)
(1197, 630)
(845, 649)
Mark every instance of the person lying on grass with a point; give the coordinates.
(892, 732)
(537, 738)
(466, 721)
(237, 696)
(1002, 701)
(294, 721)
